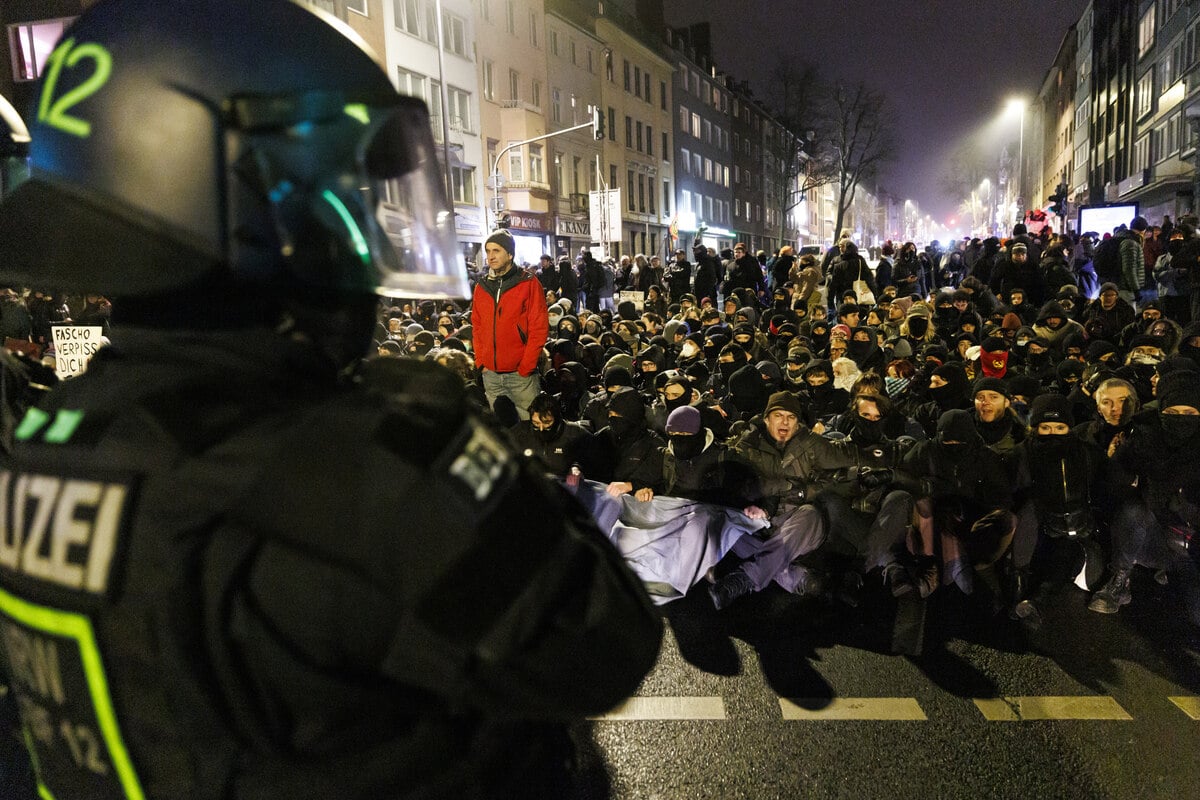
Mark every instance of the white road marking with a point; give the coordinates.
(1017, 709)
(683, 708)
(865, 708)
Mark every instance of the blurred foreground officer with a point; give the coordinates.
(224, 571)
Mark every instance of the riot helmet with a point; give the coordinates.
(216, 142)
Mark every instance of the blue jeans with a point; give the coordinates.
(520, 390)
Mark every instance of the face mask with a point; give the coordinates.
(678, 402)
(689, 351)
(895, 385)
(868, 431)
(1179, 427)
(1039, 359)
(622, 427)
(1190, 351)
(688, 446)
(918, 326)
(551, 433)
(1022, 342)
(727, 369)
(1144, 358)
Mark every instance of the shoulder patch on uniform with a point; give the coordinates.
(483, 461)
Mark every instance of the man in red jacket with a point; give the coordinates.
(509, 324)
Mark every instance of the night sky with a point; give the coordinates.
(947, 66)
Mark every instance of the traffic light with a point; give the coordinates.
(597, 122)
(1058, 200)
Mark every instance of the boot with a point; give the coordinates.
(925, 575)
(729, 588)
(897, 579)
(1114, 594)
(1025, 608)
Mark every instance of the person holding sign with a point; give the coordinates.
(227, 569)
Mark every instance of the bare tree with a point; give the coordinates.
(796, 159)
(862, 139)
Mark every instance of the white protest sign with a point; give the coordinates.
(74, 346)
(636, 297)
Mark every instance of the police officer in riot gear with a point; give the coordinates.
(226, 571)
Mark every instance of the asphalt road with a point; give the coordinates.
(1081, 708)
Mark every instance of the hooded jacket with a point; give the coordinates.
(509, 322)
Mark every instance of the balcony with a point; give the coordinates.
(579, 203)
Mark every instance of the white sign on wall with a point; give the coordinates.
(604, 214)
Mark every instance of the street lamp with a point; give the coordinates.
(1018, 105)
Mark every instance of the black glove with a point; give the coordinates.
(874, 478)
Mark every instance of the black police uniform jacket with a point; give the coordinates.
(258, 582)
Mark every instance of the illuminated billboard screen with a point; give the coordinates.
(1103, 219)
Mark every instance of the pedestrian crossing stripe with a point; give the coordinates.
(1188, 705)
(1018, 709)
(667, 708)
(860, 708)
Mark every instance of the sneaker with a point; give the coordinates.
(1114, 594)
(897, 579)
(729, 588)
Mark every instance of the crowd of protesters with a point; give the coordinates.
(1007, 418)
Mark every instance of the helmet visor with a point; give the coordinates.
(412, 239)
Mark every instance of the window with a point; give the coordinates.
(591, 61)
(708, 175)
(489, 80)
(1145, 93)
(1146, 32)
(695, 125)
(554, 42)
(666, 204)
(685, 200)
(1166, 71)
(510, 15)
(628, 74)
(485, 9)
(408, 16)
(638, 137)
(454, 34)
(536, 95)
(462, 182)
(516, 164)
(536, 164)
(460, 109)
(412, 83)
(608, 64)
(628, 131)
(1141, 154)
(685, 160)
(666, 149)
(358, 7)
(32, 43)
(555, 105)
(649, 141)
(650, 194)
(1169, 7)
(641, 193)
(630, 204)
(708, 133)
(612, 176)
(646, 87)
(684, 117)
(612, 124)
(637, 81)
(514, 85)
(1171, 143)
(533, 28)
(697, 165)
(574, 59)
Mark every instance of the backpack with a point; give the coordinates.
(1107, 260)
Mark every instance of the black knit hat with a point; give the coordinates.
(990, 385)
(504, 239)
(1050, 408)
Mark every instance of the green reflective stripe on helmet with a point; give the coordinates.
(360, 242)
(65, 424)
(78, 627)
(33, 421)
(359, 112)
